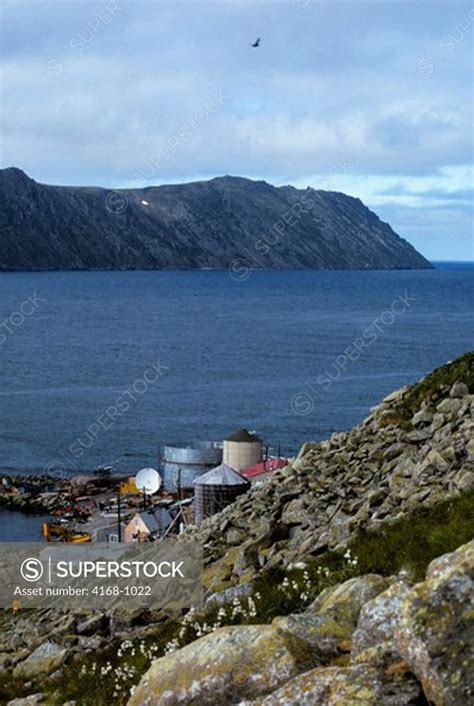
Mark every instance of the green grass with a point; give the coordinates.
(409, 543)
(415, 540)
(84, 680)
(428, 389)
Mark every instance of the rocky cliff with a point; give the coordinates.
(226, 222)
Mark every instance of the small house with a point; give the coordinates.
(264, 469)
(147, 526)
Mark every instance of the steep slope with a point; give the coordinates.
(366, 638)
(339, 580)
(414, 450)
(221, 223)
(370, 641)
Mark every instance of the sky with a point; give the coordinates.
(374, 99)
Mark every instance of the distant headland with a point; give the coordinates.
(224, 223)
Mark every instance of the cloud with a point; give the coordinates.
(94, 90)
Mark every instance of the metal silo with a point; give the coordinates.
(216, 489)
(242, 450)
(182, 463)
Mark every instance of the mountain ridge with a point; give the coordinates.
(221, 223)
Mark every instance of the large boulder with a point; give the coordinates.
(345, 601)
(378, 619)
(345, 686)
(317, 635)
(435, 633)
(223, 667)
(429, 626)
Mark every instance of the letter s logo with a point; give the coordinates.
(32, 569)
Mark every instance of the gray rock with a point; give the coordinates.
(438, 421)
(459, 389)
(48, 657)
(234, 536)
(424, 416)
(449, 406)
(379, 618)
(92, 642)
(435, 630)
(230, 594)
(394, 450)
(31, 700)
(319, 633)
(94, 624)
(296, 512)
(345, 601)
(434, 459)
(344, 686)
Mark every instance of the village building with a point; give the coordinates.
(147, 526)
(263, 470)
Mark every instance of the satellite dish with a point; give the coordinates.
(148, 481)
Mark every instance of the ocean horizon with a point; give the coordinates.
(225, 353)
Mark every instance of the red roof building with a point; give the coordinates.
(258, 470)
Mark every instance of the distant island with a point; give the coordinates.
(226, 222)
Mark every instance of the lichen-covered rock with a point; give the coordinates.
(48, 657)
(223, 667)
(429, 626)
(296, 512)
(435, 634)
(345, 601)
(379, 618)
(317, 635)
(345, 686)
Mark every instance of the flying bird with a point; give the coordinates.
(256, 43)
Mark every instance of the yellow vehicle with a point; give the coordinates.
(59, 533)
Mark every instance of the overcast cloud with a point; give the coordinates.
(373, 98)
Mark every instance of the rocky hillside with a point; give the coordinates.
(415, 449)
(369, 641)
(346, 578)
(374, 639)
(226, 222)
